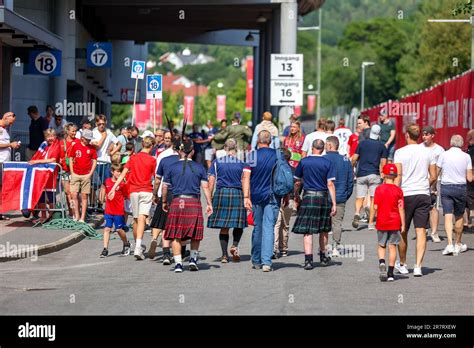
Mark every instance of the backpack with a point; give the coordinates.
(282, 180)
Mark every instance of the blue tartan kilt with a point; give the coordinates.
(228, 209)
(314, 215)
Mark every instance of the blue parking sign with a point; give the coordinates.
(138, 69)
(154, 86)
(99, 55)
(44, 62)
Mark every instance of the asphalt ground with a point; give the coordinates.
(76, 281)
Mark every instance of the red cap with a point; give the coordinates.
(390, 169)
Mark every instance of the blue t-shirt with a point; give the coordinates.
(187, 182)
(210, 134)
(197, 135)
(370, 153)
(315, 172)
(165, 164)
(229, 171)
(261, 175)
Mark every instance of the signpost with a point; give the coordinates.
(286, 80)
(154, 91)
(44, 63)
(137, 73)
(99, 55)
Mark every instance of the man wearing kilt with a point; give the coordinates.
(314, 214)
(228, 201)
(185, 219)
(165, 159)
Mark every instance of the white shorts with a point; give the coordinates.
(208, 153)
(128, 206)
(221, 153)
(141, 203)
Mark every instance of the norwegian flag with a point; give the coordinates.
(23, 184)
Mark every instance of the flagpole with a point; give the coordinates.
(134, 100)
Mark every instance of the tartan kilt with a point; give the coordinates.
(314, 215)
(184, 220)
(228, 209)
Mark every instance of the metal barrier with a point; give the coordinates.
(53, 198)
(101, 173)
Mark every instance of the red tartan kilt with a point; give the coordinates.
(185, 220)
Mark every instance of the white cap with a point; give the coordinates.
(375, 132)
(148, 133)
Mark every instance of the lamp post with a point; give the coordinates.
(197, 97)
(362, 92)
(318, 82)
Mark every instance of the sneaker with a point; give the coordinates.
(178, 268)
(457, 250)
(224, 259)
(126, 250)
(166, 260)
(143, 248)
(435, 238)
(234, 251)
(257, 267)
(138, 253)
(308, 265)
(417, 271)
(104, 253)
(390, 277)
(284, 253)
(463, 248)
(383, 272)
(371, 227)
(324, 259)
(266, 268)
(335, 252)
(402, 269)
(355, 221)
(81, 221)
(152, 250)
(187, 254)
(448, 250)
(275, 255)
(193, 265)
(366, 212)
(147, 229)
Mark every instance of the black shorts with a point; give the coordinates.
(417, 208)
(470, 200)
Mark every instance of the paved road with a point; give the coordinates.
(76, 281)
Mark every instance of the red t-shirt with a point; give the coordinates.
(116, 205)
(353, 142)
(82, 157)
(141, 167)
(294, 145)
(65, 145)
(388, 198)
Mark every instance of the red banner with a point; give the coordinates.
(249, 95)
(144, 114)
(297, 110)
(311, 103)
(447, 107)
(189, 109)
(221, 107)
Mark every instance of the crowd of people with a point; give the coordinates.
(159, 177)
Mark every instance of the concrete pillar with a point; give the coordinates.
(288, 41)
(62, 23)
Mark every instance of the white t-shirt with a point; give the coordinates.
(415, 161)
(5, 153)
(454, 165)
(164, 154)
(59, 129)
(110, 139)
(343, 135)
(310, 138)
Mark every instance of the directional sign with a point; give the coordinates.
(286, 66)
(44, 63)
(99, 55)
(286, 80)
(153, 87)
(286, 92)
(138, 69)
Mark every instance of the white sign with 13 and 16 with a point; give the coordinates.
(286, 80)
(138, 69)
(154, 86)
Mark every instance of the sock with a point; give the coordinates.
(166, 251)
(183, 251)
(194, 254)
(308, 257)
(237, 235)
(178, 259)
(390, 270)
(381, 261)
(224, 239)
(138, 244)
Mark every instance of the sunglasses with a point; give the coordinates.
(101, 124)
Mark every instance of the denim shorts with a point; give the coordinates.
(453, 199)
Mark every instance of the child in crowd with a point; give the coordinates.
(114, 210)
(129, 151)
(388, 205)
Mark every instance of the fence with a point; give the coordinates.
(101, 173)
(53, 198)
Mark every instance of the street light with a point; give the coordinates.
(318, 89)
(470, 21)
(362, 92)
